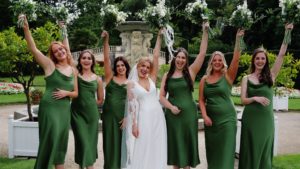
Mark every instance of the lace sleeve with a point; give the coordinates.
(131, 114)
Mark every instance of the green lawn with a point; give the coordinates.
(287, 162)
(38, 80)
(280, 162)
(16, 163)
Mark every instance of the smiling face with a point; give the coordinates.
(180, 61)
(86, 60)
(121, 68)
(260, 61)
(143, 68)
(59, 52)
(217, 63)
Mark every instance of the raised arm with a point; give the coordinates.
(162, 97)
(202, 101)
(279, 60)
(156, 53)
(41, 59)
(100, 92)
(196, 66)
(107, 63)
(234, 65)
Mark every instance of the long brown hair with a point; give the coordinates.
(125, 62)
(265, 75)
(53, 58)
(79, 66)
(185, 71)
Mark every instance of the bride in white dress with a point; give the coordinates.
(145, 135)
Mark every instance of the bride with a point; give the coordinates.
(145, 136)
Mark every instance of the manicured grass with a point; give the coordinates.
(38, 80)
(16, 163)
(294, 104)
(287, 162)
(12, 99)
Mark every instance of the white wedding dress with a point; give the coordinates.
(149, 149)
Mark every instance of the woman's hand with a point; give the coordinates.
(207, 121)
(289, 26)
(59, 94)
(175, 110)
(123, 123)
(240, 33)
(104, 35)
(205, 26)
(262, 100)
(135, 130)
(26, 25)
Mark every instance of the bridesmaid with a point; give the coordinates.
(85, 114)
(257, 134)
(218, 110)
(181, 113)
(54, 109)
(114, 106)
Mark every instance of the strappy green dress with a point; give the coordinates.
(257, 134)
(220, 137)
(84, 121)
(182, 129)
(54, 122)
(113, 113)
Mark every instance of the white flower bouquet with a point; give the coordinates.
(242, 18)
(111, 16)
(22, 8)
(198, 12)
(290, 11)
(157, 16)
(61, 14)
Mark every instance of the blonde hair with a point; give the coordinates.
(143, 60)
(53, 58)
(209, 66)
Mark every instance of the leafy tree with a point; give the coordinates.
(15, 58)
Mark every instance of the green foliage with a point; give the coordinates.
(15, 58)
(83, 39)
(288, 71)
(99, 70)
(133, 6)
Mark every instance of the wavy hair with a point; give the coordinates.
(265, 75)
(53, 58)
(209, 69)
(79, 66)
(124, 60)
(185, 71)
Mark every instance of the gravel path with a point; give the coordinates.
(288, 142)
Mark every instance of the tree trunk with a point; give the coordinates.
(26, 91)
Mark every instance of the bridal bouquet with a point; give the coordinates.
(61, 13)
(290, 11)
(242, 18)
(198, 12)
(157, 16)
(111, 16)
(22, 8)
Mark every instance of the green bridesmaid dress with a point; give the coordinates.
(220, 137)
(113, 113)
(54, 122)
(182, 129)
(84, 121)
(257, 134)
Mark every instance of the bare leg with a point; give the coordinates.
(59, 166)
(175, 167)
(90, 167)
(187, 167)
